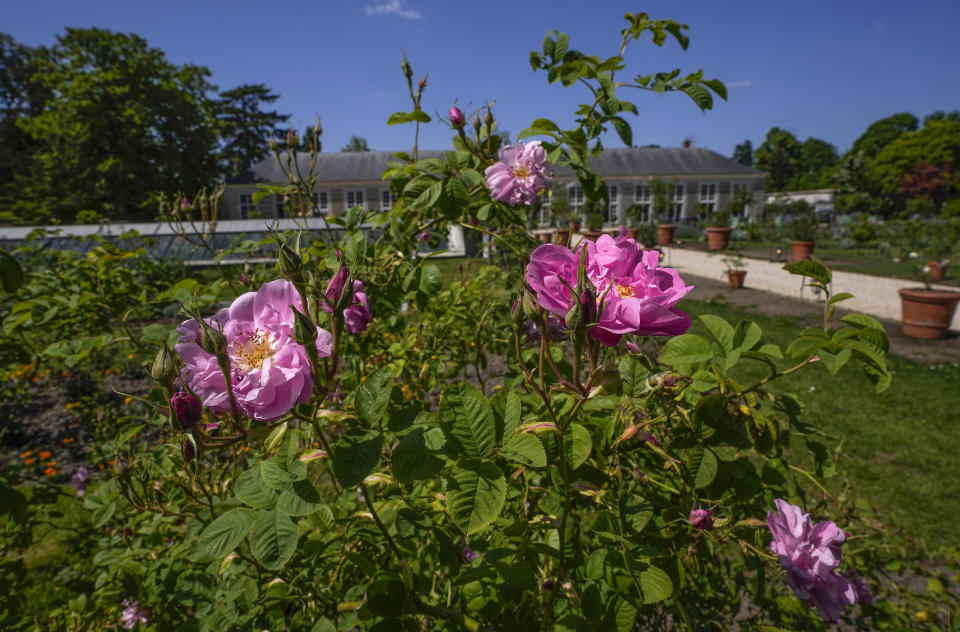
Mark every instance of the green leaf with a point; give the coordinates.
(475, 495)
(431, 281)
(836, 298)
(861, 320)
(11, 274)
(373, 395)
(623, 130)
(428, 198)
(633, 375)
(561, 45)
(685, 350)
(355, 456)
(506, 413)
(624, 615)
(525, 449)
(418, 455)
(834, 362)
(223, 534)
(299, 499)
(746, 335)
(398, 117)
(419, 116)
(810, 268)
(578, 443)
(720, 329)
(655, 584)
(704, 381)
(277, 476)
(702, 465)
(273, 538)
(253, 491)
(700, 95)
(465, 408)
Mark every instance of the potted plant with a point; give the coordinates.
(938, 250)
(718, 230)
(594, 225)
(803, 230)
(660, 193)
(925, 312)
(736, 273)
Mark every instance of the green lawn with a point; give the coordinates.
(899, 447)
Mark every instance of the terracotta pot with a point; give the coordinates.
(802, 250)
(632, 233)
(592, 235)
(665, 233)
(936, 271)
(926, 313)
(718, 238)
(562, 236)
(736, 277)
(575, 226)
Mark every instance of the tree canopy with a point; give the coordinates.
(245, 128)
(356, 143)
(743, 153)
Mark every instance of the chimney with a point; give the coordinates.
(686, 143)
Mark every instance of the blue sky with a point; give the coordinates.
(823, 69)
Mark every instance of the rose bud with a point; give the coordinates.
(701, 518)
(456, 117)
(187, 409)
(336, 286)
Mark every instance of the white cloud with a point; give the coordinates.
(745, 83)
(393, 7)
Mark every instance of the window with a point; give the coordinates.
(322, 203)
(279, 205)
(575, 195)
(676, 204)
(387, 200)
(246, 205)
(642, 196)
(613, 216)
(546, 199)
(354, 198)
(741, 186)
(708, 197)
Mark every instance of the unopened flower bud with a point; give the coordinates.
(518, 312)
(701, 518)
(291, 138)
(405, 66)
(335, 289)
(456, 117)
(422, 84)
(189, 448)
(574, 315)
(488, 119)
(186, 409)
(530, 305)
(476, 122)
(164, 368)
(184, 203)
(290, 262)
(304, 331)
(212, 341)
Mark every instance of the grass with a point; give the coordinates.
(898, 448)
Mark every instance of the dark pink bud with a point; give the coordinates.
(424, 236)
(456, 117)
(701, 518)
(466, 552)
(336, 286)
(127, 532)
(244, 278)
(184, 203)
(632, 347)
(547, 585)
(187, 409)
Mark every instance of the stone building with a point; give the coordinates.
(696, 176)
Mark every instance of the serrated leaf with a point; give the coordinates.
(686, 350)
(623, 130)
(579, 444)
(273, 538)
(561, 45)
(525, 449)
(373, 395)
(834, 362)
(862, 320)
(476, 492)
(223, 534)
(810, 268)
(655, 584)
(355, 456)
(299, 499)
(253, 491)
(418, 455)
(464, 407)
(702, 466)
(746, 335)
(506, 413)
(700, 95)
(720, 329)
(428, 198)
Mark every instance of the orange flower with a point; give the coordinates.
(68, 440)
(50, 471)
(51, 462)
(46, 454)
(127, 400)
(29, 461)
(24, 455)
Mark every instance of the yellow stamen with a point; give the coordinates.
(521, 171)
(249, 352)
(624, 290)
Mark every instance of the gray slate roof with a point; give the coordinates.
(626, 161)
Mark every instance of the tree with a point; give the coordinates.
(356, 143)
(743, 153)
(883, 132)
(940, 115)
(121, 125)
(780, 156)
(245, 128)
